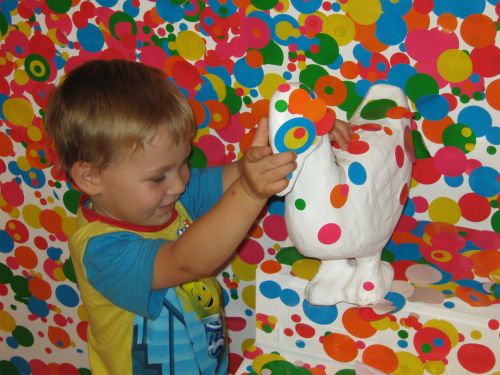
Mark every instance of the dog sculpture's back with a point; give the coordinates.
(342, 206)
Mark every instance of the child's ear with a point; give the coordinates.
(87, 177)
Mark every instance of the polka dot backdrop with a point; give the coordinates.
(229, 57)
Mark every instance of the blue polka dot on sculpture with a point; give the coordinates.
(270, 289)
(357, 173)
(289, 297)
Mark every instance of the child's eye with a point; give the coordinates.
(158, 180)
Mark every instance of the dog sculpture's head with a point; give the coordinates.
(297, 122)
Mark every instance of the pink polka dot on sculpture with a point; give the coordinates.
(474, 207)
(329, 233)
(368, 285)
(400, 156)
(450, 161)
(420, 203)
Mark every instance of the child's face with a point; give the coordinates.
(143, 187)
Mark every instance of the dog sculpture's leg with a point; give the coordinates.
(327, 286)
(370, 281)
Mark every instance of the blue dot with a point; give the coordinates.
(270, 289)
(454, 181)
(402, 344)
(248, 312)
(6, 242)
(357, 173)
(67, 296)
(484, 181)
(433, 107)
(320, 314)
(449, 304)
(12, 342)
(300, 344)
(38, 307)
(289, 297)
(90, 38)
(438, 342)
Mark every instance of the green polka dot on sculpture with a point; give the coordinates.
(37, 67)
(377, 109)
(420, 85)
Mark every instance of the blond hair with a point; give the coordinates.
(104, 109)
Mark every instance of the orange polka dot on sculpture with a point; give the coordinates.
(478, 30)
(339, 195)
(340, 347)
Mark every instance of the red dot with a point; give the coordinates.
(493, 324)
(368, 285)
(299, 133)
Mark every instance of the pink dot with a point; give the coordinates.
(400, 156)
(368, 285)
(275, 228)
(329, 234)
(450, 161)
(420, 203)
(251, 252)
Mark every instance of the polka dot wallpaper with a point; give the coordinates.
(228, 57)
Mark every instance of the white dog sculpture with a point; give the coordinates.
(342, 206)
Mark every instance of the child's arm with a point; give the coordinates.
(211, 239)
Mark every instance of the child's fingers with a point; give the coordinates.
(341, 133)
(261, 137)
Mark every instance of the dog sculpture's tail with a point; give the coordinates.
(342, 206)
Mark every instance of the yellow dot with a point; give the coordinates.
(190, 45)
(276, 246)
(466, 132)
(302, 65)
(454, 65)
(50, 199)
(340, 27)
(469, 147)
(7, 321)
(445, 210)
(248, 296)
(476, 335)
(12, 225)
(217, 117)
(18, 111)
(32, 175)
(34, 133)
(17, 237)
(364, 12)
(21, 77)
(23, 164)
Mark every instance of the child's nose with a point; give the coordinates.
(177, 186)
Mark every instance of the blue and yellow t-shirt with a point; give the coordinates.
(132, 328)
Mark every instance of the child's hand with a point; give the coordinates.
(341, 133)
(263, 173)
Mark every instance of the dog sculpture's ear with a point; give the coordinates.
(289, 127)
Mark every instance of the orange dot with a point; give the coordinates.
(381, 357)
(220, 114)
(433, 130)
(415, 20)
(51, 221)
(26, 257)
(39, 288)
(315, 110)
(331, 89)
(247, 120)
(356, 325)
(298, 101)
(448, 22)
(398, 112)
(366, 35)
(198, 111)
(340, 347)
(59, 337)
(256, 231)
(478, 30)
(254, 58)
(260, 109)
(349, 69)
(493, 94)
(270, 266)
(339, 195)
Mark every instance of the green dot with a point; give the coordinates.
(495, 222)
(456, 91)
(426, 348)
(146, 29)
(57, 184)
(7, 367)
(417, 116)
(281, 106)
(403, 334)
(328, 90)
(494, 204)
(170, 28)
(59, 6)
(223, 11)
(491, 150)
(23, 336)
(300, 204)
(464, 98)
(247, 99)
(478, 96)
